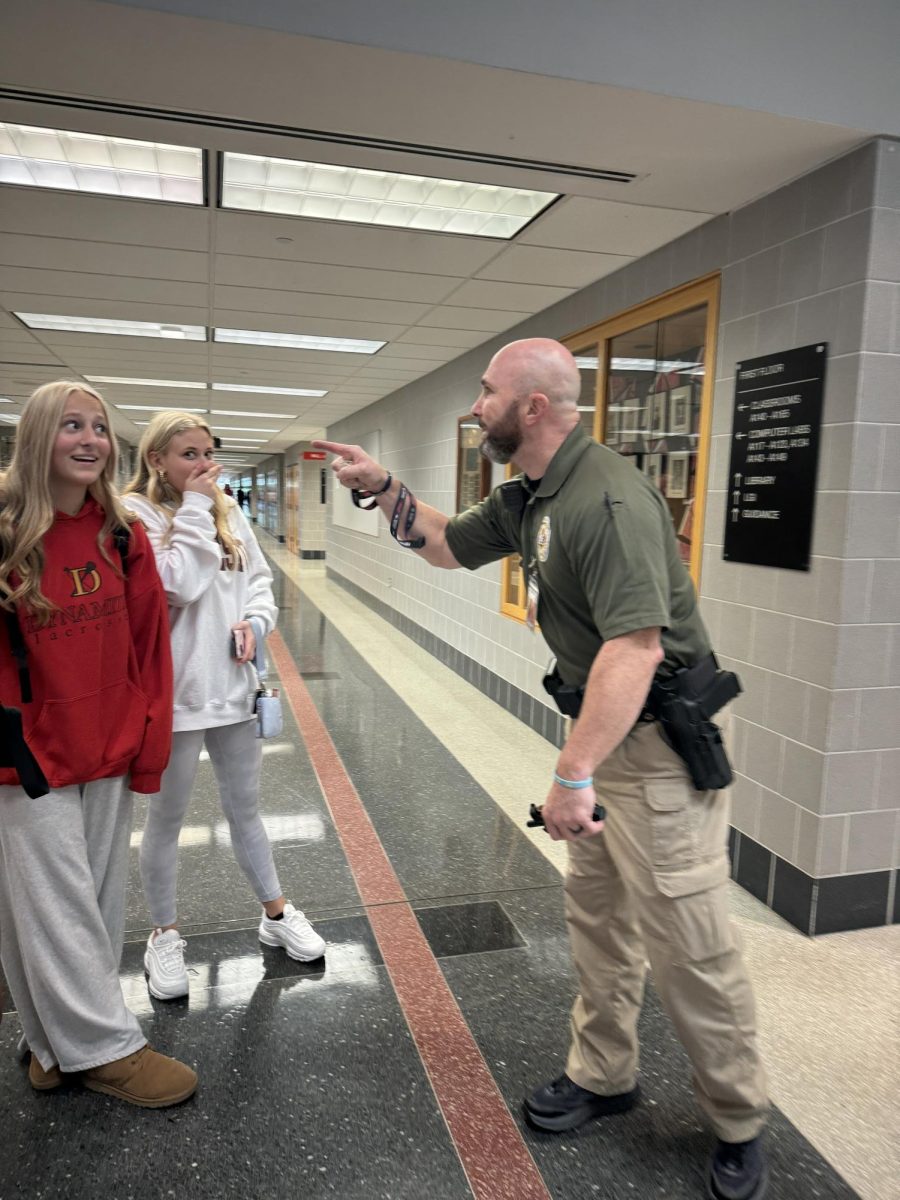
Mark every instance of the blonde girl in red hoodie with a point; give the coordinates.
(86, 689)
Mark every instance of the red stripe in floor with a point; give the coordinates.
(494, 1156)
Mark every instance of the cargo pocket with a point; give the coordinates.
(673, 823)
(692, 913)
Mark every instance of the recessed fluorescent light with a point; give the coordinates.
(33, 156)
(296, 341)
(275, 391)
(241, 429)
(190, 333)
(244, 439)
(10, 418)
(3, 400)
(329, 192)
(175, 383)
(234, 412)
(155, 408)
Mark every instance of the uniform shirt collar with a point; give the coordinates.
(563, 462)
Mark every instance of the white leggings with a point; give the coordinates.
(236, 756)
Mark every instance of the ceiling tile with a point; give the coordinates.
(484, 319)
(104, 258)
(409, 350)
(609, 227)
(42, 282)
(337, 281)
(458, 339)
(483, 293)
(124, 310)
(561, 268)
(255, 235)
(288, 323)
(90, 218)
(398, 313)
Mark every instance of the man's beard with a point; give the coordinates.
(501, 444)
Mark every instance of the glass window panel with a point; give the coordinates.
(653, 407)
(586, 358)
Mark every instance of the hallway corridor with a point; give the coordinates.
(395, 1068)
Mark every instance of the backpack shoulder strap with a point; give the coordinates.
(18, 650)
(122, 540)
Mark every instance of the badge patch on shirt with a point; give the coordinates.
(543, 540)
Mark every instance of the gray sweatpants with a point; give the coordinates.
(236, 756)
(63, 872)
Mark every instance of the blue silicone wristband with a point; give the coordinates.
(573, 783)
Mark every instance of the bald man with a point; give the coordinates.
(617, 607)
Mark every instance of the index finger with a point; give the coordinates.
(333, 447)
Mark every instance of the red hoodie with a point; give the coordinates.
(101, 668)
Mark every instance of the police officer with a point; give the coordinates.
(618, 609)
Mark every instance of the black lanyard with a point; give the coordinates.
(402, 496)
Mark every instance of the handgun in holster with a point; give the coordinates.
(684, 704)
(566, 697)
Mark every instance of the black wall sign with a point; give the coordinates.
(774, 453)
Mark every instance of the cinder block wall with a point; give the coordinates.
(816, 735)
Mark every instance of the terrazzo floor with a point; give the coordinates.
(396, 1067)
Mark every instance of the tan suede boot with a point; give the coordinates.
(41, 1080)
(147, 1079)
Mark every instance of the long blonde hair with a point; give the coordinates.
(27, 510)
(149, 482)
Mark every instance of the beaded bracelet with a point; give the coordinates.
(572, 783)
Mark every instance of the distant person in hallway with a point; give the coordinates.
(618, 609)
(221, 606)
(241, 498)
(86, 677)
(227, 490)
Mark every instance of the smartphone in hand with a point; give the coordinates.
(237, 643)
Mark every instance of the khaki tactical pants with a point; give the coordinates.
(653, 886)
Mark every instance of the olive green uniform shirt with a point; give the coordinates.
(599, 537)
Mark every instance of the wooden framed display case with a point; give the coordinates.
(473, 470)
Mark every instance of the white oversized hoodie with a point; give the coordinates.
(205, 600)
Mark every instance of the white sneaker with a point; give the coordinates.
(164, 964)
(294, 933)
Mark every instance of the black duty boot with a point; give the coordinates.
(738, 1171)
(562, 1104)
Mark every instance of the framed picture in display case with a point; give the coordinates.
(657, 412)
(679, 475)
(473, 470)
(653, 465)
(680, 410)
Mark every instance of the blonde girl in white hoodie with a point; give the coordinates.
(218, 586)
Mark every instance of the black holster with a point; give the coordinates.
(566, 697)
(684, 706)
(16, 753)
